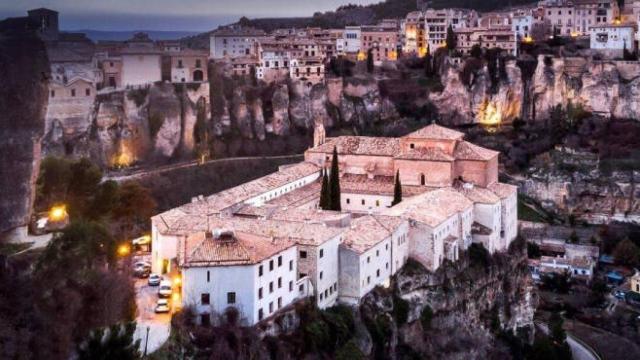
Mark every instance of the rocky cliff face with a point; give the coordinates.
(574, 183)
(158, 123)
(458, 312)
(530, 88)
(24, 70)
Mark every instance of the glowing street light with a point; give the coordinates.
(177, 281)
(58, 213)
(124, 250)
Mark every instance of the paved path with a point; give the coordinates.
(159, 325)
(132, 174)
(36, 241)
(579, 350)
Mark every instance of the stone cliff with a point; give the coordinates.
(24, 70)
(473, 309)
(529, 88)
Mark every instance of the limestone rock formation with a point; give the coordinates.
(24, 70)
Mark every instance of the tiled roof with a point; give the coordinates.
(379, 185)
(435, 131)
(430, 154)
(236, 195)
(468, 151)
(503, 190)
(360, 145)
(364, 233)
(477, 194)
(242, 31)
(237, 249)
(431, 208)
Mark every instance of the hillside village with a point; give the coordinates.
(450, 183)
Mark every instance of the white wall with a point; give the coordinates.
(372, 203)
(329, 266)
(399, 247)
(260, 199)
(375, 267)
(236, 46)
(163, 247)
(287, 273)
(140, 69)
(509, 220)
(489, 215)
(612, 38)
(222, 280)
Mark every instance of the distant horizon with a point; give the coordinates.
(166, 15)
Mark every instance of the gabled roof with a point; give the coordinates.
(431, 208)
(467, 151)
(429, 154)
(436, 132)
(360, 145)
(368, 231)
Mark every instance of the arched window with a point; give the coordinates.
(198, 75)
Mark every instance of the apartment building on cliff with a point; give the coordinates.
(265, 244)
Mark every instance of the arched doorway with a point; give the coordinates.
(198, 75)
(423, 181)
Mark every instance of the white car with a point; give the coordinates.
(165, 289)
(154, 280)
(162, 306)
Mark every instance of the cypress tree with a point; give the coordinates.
(334, 183)
(452, 41)
(370, 61)
(397, 190)
(324, 191)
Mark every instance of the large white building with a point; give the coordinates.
(234, 42)
(612, 39)
(263, 245)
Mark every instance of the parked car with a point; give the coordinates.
(141, 265)
(165, 289)
(154, 280)
(619, 294)
(162, 306)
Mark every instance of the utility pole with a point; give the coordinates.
(146, 342)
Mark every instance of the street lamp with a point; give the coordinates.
(58, 213)
(124, 250)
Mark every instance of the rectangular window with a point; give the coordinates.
(290, 285)
(321, 252)
(270, 265)
(290, 265)
(204, 299)
(270, 307)
(270, 287)
(53, 93)
(260, 293)
(231, 298)
(73, 92)
(279, 282)
(303, 254)
(320, 275)
(208, 276)
(260, 314)
(260, 270)
(87, 92)
(279, 260)
(279, 302)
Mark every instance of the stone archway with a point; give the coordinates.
(198, 75)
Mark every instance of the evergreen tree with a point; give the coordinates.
(334, 183)
(452, 41)
(117, 344)
(428, 65)
(397, 190)
(324, 191)
(370, 61)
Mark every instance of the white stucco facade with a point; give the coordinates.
(141, 69)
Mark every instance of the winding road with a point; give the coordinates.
(579, 350)
(136, 173)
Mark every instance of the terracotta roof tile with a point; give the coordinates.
(360, 145)
(468, 151)
(435, 131)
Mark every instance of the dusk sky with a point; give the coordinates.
(190, 15)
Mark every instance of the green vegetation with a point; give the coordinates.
(7, 249)
(350, 351)
(332, 192)
(115, 343)
(527, 212)
(533, 251)
(138, 96)
(627, 253)
(324, 192)
(397, 190)
(155, 122)
(452, 40)
(400, 310)
(426, 315)
(370, 61)
(479, 256)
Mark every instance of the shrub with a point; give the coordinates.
(350, 351)
(479, 256)
(400, 310)
(426, 315)
(138, 96)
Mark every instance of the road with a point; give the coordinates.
(136, 173)
(159, 325)
(579, 350)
